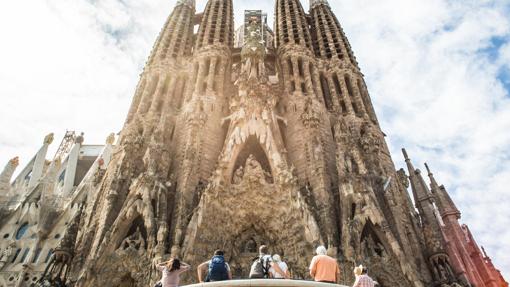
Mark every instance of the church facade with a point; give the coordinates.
(236, 139)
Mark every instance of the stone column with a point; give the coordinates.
(6, 175)
(72, 163)
(40, 161)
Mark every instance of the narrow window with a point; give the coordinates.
(16, 255)
(36, 256)
(364, 98)
(314, 84)
(21, 231)
(351, 94)
(24, 256)
(48, 256)
(291, 68)
(300, 67)
(326, 92)
(338, 90)
(303, 88)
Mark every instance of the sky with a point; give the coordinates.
(438, 73)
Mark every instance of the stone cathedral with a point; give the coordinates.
(234, 139)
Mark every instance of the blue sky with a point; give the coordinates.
(438, 73)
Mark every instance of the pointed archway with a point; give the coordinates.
(252, 147)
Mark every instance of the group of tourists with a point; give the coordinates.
(323, 268)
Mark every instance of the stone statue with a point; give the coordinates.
(238, 175)
(310, 115)
(443, 275)
(134, 242)
(402, 177)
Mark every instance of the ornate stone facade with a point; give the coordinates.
(233, 147)
(38, 207)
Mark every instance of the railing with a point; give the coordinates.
(265, 283)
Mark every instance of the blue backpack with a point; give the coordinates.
(217, 269)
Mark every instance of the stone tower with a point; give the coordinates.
(231, 148)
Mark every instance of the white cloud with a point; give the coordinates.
(433, 70)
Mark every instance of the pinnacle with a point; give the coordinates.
(315, 3)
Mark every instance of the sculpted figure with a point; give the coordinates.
(402, 177)
(442, 273)
(238, 175)
(310, 115)
(134, 242)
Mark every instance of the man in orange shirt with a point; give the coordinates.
(324, 268)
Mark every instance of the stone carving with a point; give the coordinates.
(48, 139)
(7, 253)
(238, 175)
(402, 177)
(134, 242)
(227, 149)
(311, 114)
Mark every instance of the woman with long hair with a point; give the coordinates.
(171, 270)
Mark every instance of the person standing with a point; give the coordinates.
(262, 264)
(363, 280)
(218, 269)
(324, 268)
(283, 266)
(172, 270)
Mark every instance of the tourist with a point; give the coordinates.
(362, 280)
(283, 266)
(172, 269)
(262, 264)
(324, 268)
(217, 268)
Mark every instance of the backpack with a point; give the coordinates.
(217, 269)
(259, 268)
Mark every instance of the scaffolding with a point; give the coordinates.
(66, 145)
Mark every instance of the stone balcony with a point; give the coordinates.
(265, 283)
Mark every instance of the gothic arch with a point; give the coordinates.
(251, 146)
(129, 221)
(374, 233)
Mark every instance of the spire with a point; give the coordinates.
(176, 38)
(40, 161)
(431, 226)
(6, 175)
(315, 3)
(328, 36)
(190, 3)
(421, 192)
(291, 24)
(217, 26)
(444, 202)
